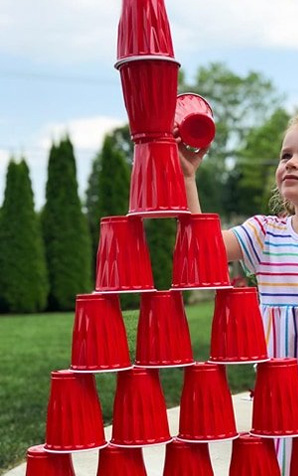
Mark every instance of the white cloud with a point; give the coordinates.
(70, 31)
(85, 133)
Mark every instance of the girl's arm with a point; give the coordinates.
(190, 162)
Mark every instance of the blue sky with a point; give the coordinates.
(57, 74)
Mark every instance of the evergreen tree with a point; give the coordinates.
(23, 277)
(65, 230)
(108, 189)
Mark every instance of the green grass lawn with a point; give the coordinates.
(31, 346)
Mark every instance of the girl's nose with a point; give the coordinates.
(292, 162)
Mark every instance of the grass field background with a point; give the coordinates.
(31, 346)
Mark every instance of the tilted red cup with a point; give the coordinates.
(99, 342)
(275, 403)
(149, 91)
(194, 118)
(42, 463)
(163, 338)
(74, 418)
(237, 334)
(187, 459)
(253, 456)
(206, 408)
(144, 29)
(123, 260)
(294, 458)
(140, 416)
(200, 259)
(127, 461)
(157, 186)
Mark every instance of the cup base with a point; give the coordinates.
(75, 451)
(159, 213)
(161, 366)
(207, 288)
(142, 445)
(100, 371)
(275, 435)
(118, 291)
(209, 440)
(236, 362)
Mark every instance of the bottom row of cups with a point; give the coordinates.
(74, 418)
(251, 456)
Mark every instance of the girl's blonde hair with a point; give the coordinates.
(277, 204)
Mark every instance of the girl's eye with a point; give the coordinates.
(286, 156)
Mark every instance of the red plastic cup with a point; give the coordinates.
(99, 341)
(187, 459)
(163, 338)
(275, 403)
(206, 408)
(125, 461)
(200, 259)
(157, 186)
(237, 334)
(144, 29)
(42, 463)
(140, 416)
(294, 458)
(194, 118)
(149, 91)
(253, 456)
(74, 419)
(123, 261)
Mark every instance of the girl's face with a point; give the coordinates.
(287, 170)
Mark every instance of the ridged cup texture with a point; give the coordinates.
(139, 416)
(149, 91)
(237, 329)
(144, 29)
(114, 461)
(74, 418)
(123, 261)
(187, 459)
(99, 340)
(41, 463)
(275, 403)
(157, 186)
(163, 337)
(200, 259)
(194, 118)
(253, 456)
(206, 408)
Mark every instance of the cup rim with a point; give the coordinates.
(134, 58)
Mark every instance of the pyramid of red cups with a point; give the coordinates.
(149, 75)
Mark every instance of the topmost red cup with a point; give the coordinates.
(144, 29)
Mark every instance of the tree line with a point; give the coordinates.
(48, 257)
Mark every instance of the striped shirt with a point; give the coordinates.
(270, 251)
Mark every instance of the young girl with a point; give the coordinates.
(268, 247)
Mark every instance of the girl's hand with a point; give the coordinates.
(190, 160)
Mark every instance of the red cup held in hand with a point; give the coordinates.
(194, 118)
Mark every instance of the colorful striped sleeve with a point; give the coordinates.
(251, 235)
